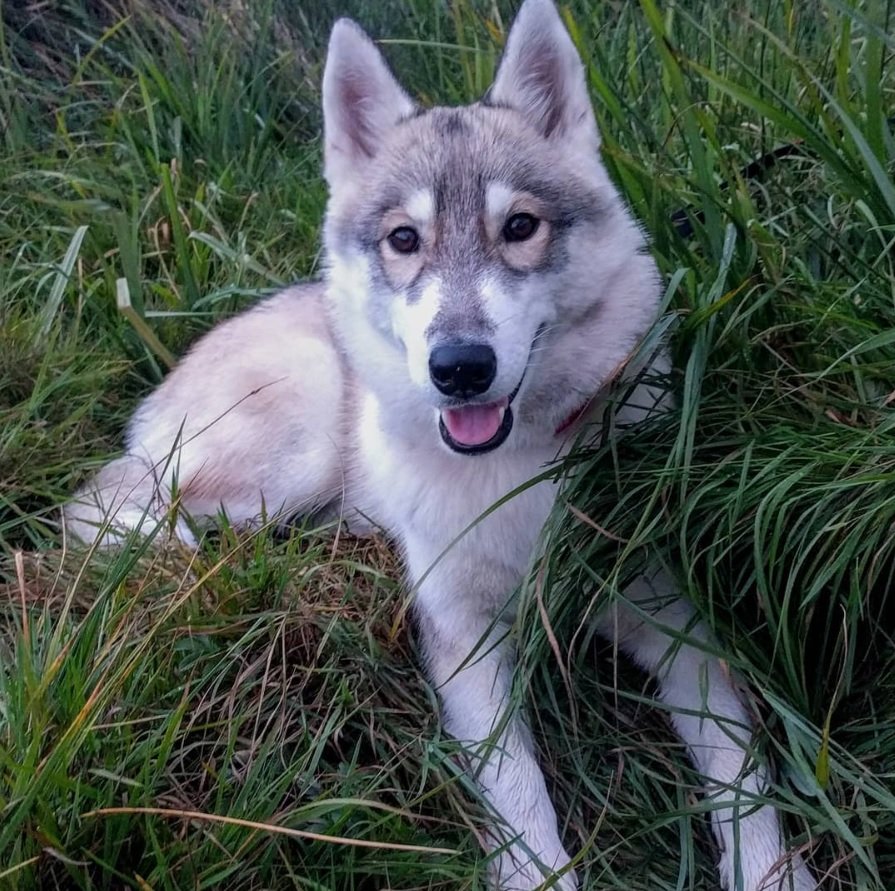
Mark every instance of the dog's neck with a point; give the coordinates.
(571, 421)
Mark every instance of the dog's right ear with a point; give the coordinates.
(361, 100)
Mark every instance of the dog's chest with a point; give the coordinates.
(431, 500)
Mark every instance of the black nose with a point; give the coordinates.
(462, 369)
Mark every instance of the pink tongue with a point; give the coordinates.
(473, 424)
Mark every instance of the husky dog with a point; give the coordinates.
(484, 281)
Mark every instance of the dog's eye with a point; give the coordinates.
(520, 227)
(404, 239)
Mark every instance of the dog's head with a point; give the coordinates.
(486, 277)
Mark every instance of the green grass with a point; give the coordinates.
(172, 154)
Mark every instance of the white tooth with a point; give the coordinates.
(503, 411)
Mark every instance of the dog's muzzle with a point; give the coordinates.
(479, 428)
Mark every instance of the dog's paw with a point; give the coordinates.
(784, 873)
(514, 870)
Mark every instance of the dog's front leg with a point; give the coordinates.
(659, 631)
(470, 663)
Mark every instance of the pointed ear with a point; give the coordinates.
(541, 75)
(361, 100)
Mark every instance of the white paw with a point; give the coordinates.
(514, 870)
(787, 873)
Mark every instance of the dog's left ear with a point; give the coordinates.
(541, 75)
(361, 101)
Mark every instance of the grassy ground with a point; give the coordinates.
(268, 687)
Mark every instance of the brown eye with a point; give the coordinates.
(404, 239)
(520, 227)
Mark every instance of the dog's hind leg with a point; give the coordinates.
(251, 423)
(659, 631)
(124, 495)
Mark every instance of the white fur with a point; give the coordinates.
(421, 206)
(409, 323)
(349, 281)
(498, 198)
(516, 318)
(320, 398)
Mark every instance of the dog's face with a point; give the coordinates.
(460, 242)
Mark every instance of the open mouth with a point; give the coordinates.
(476, 429)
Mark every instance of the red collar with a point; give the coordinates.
(574, 417)
(582, 410)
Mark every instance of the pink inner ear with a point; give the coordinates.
(361, 98)
(541, 86)
(354, 95)
(541, 75)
